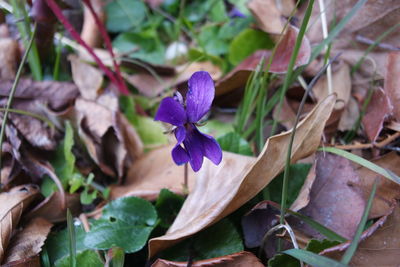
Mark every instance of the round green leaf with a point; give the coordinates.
(126, 223)
(123, 15)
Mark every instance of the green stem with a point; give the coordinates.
(13, 89)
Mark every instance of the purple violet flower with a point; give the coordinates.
(236, 13)
(198, 102)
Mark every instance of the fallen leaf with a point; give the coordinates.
(392, 82)
(303, 198)
(14, 203)
(238, 76)
(269, 15)
(30, 262)
(387, 191)
(88, 78)
(52, 210)
(349, 116)
(151, 173)
(240, 259)
(378, 110)
(151, 85)
(334, 201)
(213, 198)
(90, 33)
(379, 246)
(8, 56)
(28, 243)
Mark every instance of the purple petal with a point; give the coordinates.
(200, 95)
(199, 145)
(235, 13)
(179, 155)
(171, 111)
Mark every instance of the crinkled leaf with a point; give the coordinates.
(234, 143)
(125, 223)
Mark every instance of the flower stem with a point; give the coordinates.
(185, 179)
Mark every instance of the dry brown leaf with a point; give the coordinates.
(392, 82)
(90, 31)
(377, 248)
(151, 86)
(88, 78)
(151, 173)
(387, 191)
(334, 201)
(213, 197)
(9, 52)
(238, 76)
(349, 116)
(29, 262)
(239, 259)
(28, 242)
(13, 204)
(303, 198)
(51, 208)
(378, 110)
(267, 14)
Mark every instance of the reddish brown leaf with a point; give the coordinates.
(392, 82)
(28, 242)
(334, 202)
(378, 111)
(239, 259)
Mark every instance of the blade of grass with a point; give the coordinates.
(13, 89)
(296, 49)
(56, 69)
(23, 25)
(71, 239)
(363, 162)
(353, 246)
(319, 227)
(312, 258)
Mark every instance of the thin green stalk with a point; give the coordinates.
(24, 29)
(292, 61)
(13, 89)
(353, 246)
(71, 239)
(56, 70)
(33, 115)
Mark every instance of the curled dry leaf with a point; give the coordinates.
(380, 245)
(387, 191)
(51, 208)
(240, 259)
(28, 242)
(13, 204)
(151, 173)
(334, 200)
(30, 262)
(214, 197)
(90, 32)
(238, 76)
(303, 198)
(8, 56)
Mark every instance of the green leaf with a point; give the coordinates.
(87, 258)
(218, 12)
(313, 259)
(118, 257)
(144, 46)
(57, 243)
(87, 198)
(234, 143)
(246, 43)
(280, 260)
(151, 132)
(297, 175)
(125, 223)
(216, 128)
(317, 246)
(232, 28)
(168, 205)
(210, 41)
(123, 15)
(219, 240)
(71, 239)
